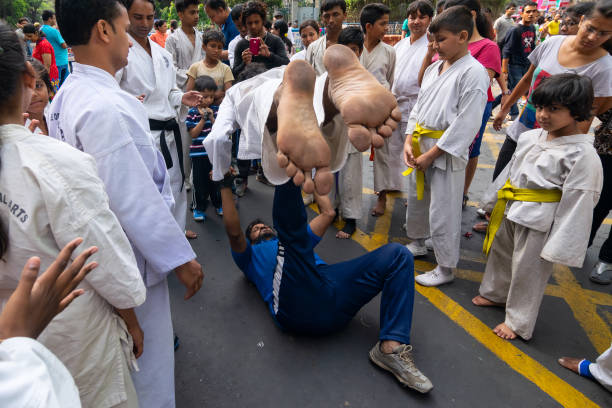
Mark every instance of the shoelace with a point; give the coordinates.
(406, 355)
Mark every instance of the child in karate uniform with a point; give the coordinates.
(440, 129)
(544, 209)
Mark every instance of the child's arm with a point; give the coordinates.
(190, 83)
(521, 88)
(195, 131)
(426, 61)
(227, 85)
(600, 105)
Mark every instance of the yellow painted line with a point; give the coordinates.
(485, 166)
(608, 221)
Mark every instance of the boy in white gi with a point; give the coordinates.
(440, 129)
(379, 59)
(93, 114)
(552, 184)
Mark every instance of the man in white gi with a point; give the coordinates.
(440, 129)
(150, 73)
(93, 114)
(333, 14)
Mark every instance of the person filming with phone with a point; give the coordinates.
(259, 46)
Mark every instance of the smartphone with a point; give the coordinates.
(254, 44)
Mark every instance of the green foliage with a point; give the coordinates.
(12, 10)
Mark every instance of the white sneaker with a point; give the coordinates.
(416, 249)
(434, 278)
(429, 244)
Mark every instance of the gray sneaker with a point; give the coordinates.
(241, 187)
(401, 364)
(602, 273)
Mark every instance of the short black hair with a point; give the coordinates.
(251, 70)
(236, 11)
(371, 13)
(181, 5)
(454, 19)
(29, 29)
(440, 5)
(47, 14)
(254, 7)
(530, 4)
(204, 83)
(216, 4)
(23, 19)
(159, 23)
(12, 63)
(76, 18)
(42, 73)
(483, 21)
(573, 91)
(309, 23)
(253, 223)
(213, 35)
(351, 35)
(267, 24)
(510, 5)
(281, 26)
(420, 6)
(128, 3)
(173, 24)
(580, 9)
(327, 5)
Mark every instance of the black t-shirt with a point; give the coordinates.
(520, 41)
(278, 54)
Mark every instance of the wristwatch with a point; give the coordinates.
(508, 92)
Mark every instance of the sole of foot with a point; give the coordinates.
(301, 145)
(369, 110)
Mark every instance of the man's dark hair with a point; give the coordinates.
(47, 14)
(173, 24)
(253, 223)
(530, 4)
(128, 3)
(454, 19)
(310, 23)
(510, 5)
(251, 70)
(267, 24)
(580, 9)
(351, 35)
(213, 35)
(440, 5)
(327, 5)
(236, 12)
(23, 20)
(371, 13)
(420, 6)
(159, 23)
(483, 21)
(204, 83)
(252, 8)
(573, 91)
(281, 26)
(181, 5)
(30, 29)
(76, 18)
(216, 4)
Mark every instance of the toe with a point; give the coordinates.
(377, 140)
(360, 137)
(396, 114)
(298, 179)
(391, 123)
(323, 180)
(282, 159)
(290, 168)
(384, 131)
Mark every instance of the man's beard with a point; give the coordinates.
(265, 236)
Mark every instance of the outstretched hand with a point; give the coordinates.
(191, 98)
(191, 276)
(38, 299)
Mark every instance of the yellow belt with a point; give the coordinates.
(510, 193)
(416, 152)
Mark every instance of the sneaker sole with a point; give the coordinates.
(400, 379)
(419, 253)
(433, 286)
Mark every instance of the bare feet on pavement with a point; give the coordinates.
(483, 301)
(504, 332)
(381, 204)
(570, 363)
(369, 110)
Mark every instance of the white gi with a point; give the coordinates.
(602, 369)
(32, 377)
(92, 113)
(452, 101)
(388, 166)
(231, 47)
(298, 56)
(246, 106)
(154, 76)
(533, 235)
(184, 54)
(50, 194)
(314, 55)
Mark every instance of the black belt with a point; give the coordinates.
(169, 125)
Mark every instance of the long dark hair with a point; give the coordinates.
(483, 21)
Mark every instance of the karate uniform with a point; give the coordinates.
(93, 114)
(535, 235)
(50, 194)
(314, 55)
(452, 102)
(32, 377)
(246, 106)
(153, 75)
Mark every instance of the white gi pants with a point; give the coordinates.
(389, 162)
(516, 275)
(438, 214)
(179, 211)
(602, 369)
(155, 381)
(348, 190)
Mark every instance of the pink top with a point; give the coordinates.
(487, 53)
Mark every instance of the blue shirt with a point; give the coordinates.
(258, 263)
(56, 40)
(229, 31)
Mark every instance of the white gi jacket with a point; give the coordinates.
(32, 377)
(133, 170)
(453, 102)
(314, 55)
(184, 53)
(409, 58)
(51, 194)
(380, 62)
(569, 164)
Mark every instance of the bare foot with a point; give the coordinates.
(504, 332)
(342, 235)
(381, 205)
(350, 225)
(570, 363)
(368, 109)
(189, 234)
(301, 146)
(483, 301)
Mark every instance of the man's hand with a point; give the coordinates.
(133, 327)
(141, 98)
(247, 57)
(191, 98)
(38, 299)
(191, 276)
(264, 51)
(408, 156)
(498, 121)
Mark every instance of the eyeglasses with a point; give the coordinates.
(592, 30)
